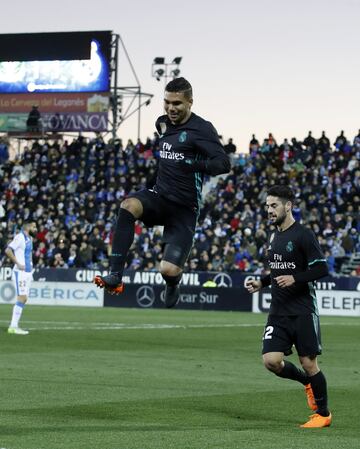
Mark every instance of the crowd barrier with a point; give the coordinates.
(338, 296)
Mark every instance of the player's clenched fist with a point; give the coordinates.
(252, 285)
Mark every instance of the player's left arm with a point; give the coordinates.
(316, 263)
(215, 161)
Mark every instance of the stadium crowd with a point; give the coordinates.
(73, 190)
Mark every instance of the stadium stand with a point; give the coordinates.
(73, 191)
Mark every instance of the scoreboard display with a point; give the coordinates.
(65, 75)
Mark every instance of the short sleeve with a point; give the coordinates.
(16, 242)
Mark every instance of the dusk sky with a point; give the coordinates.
(259, 66)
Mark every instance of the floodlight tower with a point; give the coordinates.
(123, 99)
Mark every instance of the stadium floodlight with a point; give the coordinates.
(175, 73)
(162, 69)
(159, 73)
(159, 60)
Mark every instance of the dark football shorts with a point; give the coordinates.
(179, 222)
(302, 331)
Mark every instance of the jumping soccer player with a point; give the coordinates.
(295, 261)
(19, 252)
(189, 149)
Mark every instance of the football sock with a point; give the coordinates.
(172, 280)
(16, 313)
(290, 371)
(319, 388)
(123, 238)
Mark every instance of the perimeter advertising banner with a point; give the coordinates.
(64, 103)
(338, 296)
(65, 112)
(329, 302)
(55, 294)
(195, 298)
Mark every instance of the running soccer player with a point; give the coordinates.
(189, 149)
(19, 252)
(295, 261)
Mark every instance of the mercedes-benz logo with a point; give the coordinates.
(145, 296)
(223, 280)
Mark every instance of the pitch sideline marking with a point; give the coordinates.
(64, 325)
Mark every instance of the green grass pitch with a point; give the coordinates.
(158, 379)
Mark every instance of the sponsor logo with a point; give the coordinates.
(171, 155)
(223, 280)
(163, 128)
(7, 292)
(5, 273)
(77, 121)
(183, 137)
(151, 277)
(195, 298)
(278, 264)
(63, 293)
(167, 153)
(339, 302)
(282, 265)
(145, 296)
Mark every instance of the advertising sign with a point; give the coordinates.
(55, 294)
(329, 302)
(52, 102)
(75, 122)
(196, 298)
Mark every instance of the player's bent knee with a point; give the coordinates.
(132, 205)
(310, 366)
(272, 364)
(169, 269)
(274, 367)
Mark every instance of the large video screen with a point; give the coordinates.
(65, 76)
(90, 72)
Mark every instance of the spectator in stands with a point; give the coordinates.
(33, 121)
(85, 256)
(309, 141)
(4, 152)
(340, 141)
(324, 143)
(230, 147)
(254, 145)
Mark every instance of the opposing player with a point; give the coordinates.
(19, 252)
(295, 261)
(189, 149)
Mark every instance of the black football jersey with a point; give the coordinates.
(292, 251)
(195, 140)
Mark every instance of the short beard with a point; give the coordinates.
(280, 220)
